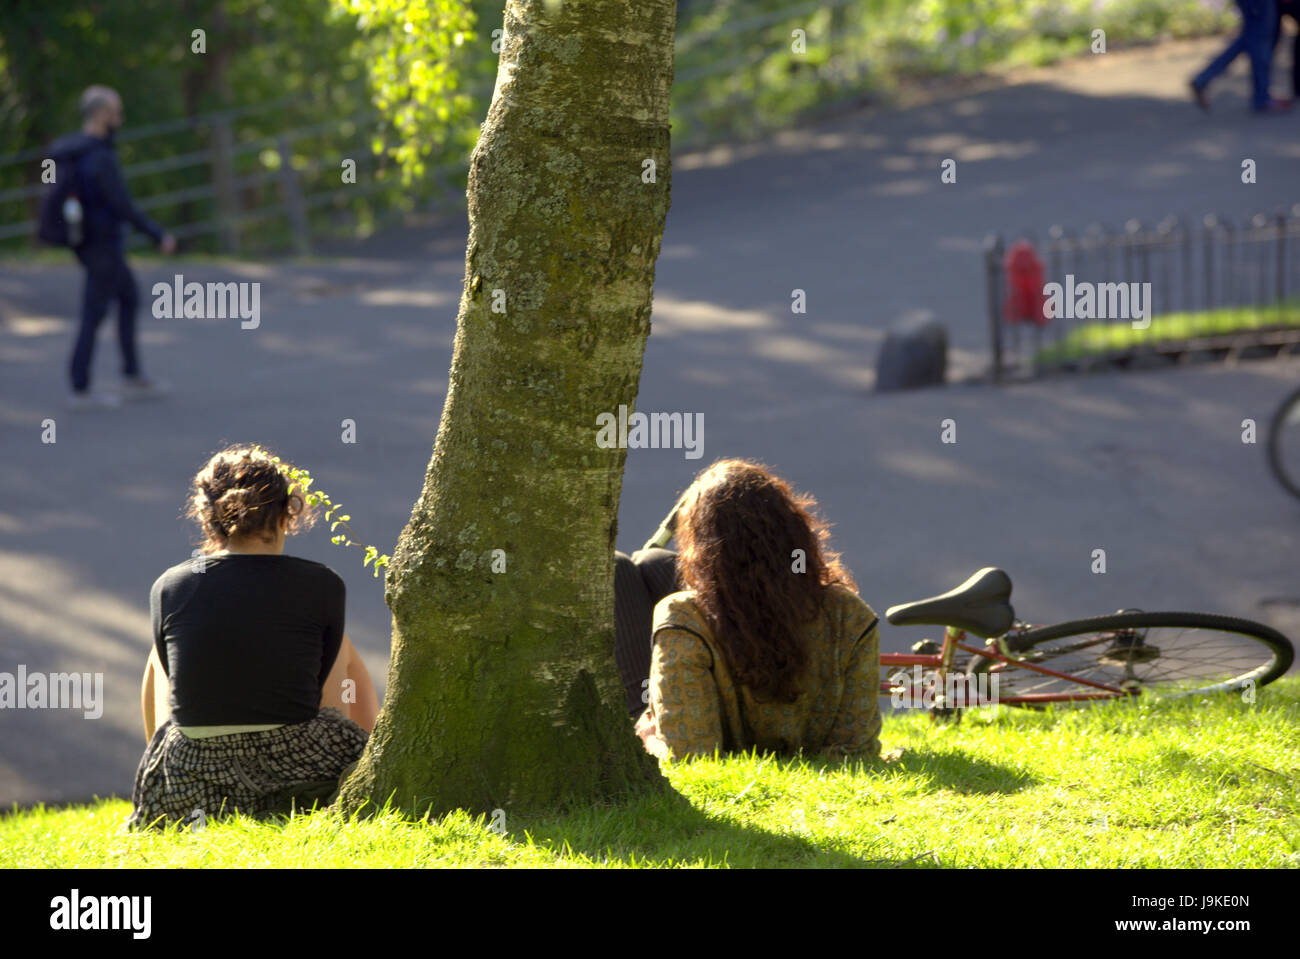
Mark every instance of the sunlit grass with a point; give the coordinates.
(1095, 339)
(1210, 782)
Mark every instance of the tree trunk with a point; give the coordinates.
(203, 74)
(502, 689)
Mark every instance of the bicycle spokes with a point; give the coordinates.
(1166, 660)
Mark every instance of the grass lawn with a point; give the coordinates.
(1196, 783)
(1091, 339)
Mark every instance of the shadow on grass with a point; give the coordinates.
(1186, 764)
(671, 830)
(950, 770)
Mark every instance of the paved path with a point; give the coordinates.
(1148, 466)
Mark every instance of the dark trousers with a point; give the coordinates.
(108, 279)
(1258, 24)
(640, 581)
(1290, 8)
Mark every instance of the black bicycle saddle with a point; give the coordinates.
(981, 605)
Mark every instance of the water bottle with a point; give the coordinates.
(72, 217)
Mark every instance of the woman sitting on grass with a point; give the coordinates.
(770, 646)
(250, 659)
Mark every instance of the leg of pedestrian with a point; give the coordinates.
(100, 286)
(1292, 8)
(1259, 23)
(1201, 82)
(135, 385)
(128, 300)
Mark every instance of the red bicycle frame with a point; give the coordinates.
(942, 661)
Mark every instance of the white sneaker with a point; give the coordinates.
(93, 401)
(139, 388)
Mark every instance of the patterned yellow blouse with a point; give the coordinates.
(698, 707)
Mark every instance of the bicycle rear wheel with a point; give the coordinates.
(1163, 655)
(1284, 444)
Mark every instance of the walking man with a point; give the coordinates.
(106, 210)
(1258, 23)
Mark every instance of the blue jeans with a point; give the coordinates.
(1258, 22)
(108, 279)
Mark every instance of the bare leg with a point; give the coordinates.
(154, 693)
(349, 689)
(366, 709)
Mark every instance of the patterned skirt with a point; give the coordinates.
(259, 774)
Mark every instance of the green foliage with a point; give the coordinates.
(300, 71)
(399, 86)
(868, 47)
(411, 49)
(301, 481)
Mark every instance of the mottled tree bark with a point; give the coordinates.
(502, 690)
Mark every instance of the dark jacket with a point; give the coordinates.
(105, 202)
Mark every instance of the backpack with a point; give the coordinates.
(62, 219)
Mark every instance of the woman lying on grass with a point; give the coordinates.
(770, 646)
(250, 659)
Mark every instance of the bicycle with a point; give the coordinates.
(1284, 444)
(1124, 654)
(1102, 658)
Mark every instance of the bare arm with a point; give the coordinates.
(154, 694)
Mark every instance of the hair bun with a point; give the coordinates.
(235, 505)
(243, 492)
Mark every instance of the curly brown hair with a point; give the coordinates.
(242, 491)
(738, 528)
